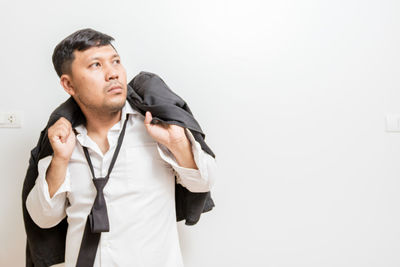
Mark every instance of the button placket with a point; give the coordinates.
(103, 170)
(97, 221)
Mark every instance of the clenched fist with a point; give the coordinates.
(62, 139)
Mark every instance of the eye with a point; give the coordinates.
(117, 60)
(96, 63)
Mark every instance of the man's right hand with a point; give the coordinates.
(62, 139)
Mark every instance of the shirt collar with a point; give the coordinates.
(81, 130)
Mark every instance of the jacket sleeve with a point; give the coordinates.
(47, 212)
(201, 180)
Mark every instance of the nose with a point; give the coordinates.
(111, 73)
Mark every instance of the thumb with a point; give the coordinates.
(148, 118)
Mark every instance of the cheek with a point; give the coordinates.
(122, 73)
(92, 82)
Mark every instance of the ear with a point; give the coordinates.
(67, 84)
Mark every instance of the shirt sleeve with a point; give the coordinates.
(47, 212)
(201, 180)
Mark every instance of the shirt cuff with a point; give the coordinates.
(44, 194)
(195, 180)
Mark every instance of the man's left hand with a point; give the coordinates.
(174, 138)
(170, 135)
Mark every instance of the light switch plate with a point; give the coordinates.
(10, 119)
(393, 122)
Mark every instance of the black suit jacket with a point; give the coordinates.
(146, 92)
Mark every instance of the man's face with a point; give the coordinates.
(94, 72)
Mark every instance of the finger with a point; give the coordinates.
(59, 126)
(56, 138)
(64, 123)
(64, 120)
(62, 135)
(63, 127)
(148, 118)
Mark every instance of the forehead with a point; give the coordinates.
(100, 53)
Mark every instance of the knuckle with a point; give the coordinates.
(63, 121)
(61, 127)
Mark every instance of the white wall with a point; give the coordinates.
(292, 96)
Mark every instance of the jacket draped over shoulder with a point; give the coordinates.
(146, 92)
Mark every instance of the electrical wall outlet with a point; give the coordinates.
(10, 119)
(393, 122)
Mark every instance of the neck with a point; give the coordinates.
(99, 124)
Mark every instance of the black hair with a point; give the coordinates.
(80, 40)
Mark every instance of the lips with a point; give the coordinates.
(115, 89)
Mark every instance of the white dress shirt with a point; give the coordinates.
(140, 196)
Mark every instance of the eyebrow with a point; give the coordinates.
(113, 56)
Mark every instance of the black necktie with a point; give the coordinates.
(97, 220)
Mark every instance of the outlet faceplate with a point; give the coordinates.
(393, 122)
(10, 119)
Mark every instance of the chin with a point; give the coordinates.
(116, 105)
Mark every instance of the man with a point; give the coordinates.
(139, 194)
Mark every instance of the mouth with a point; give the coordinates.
(115, 89)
